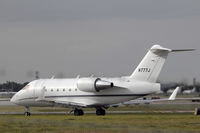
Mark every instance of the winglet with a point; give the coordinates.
(173, 95)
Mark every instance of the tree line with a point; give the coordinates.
(11, 86)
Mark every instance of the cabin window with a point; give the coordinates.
(69, 89)
(63, 89)
(57, 89)
(51, 89)
(75, 89)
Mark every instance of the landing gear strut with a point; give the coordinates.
(78, 112)
(100, 111)
(27, 113)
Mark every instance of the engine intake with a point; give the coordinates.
(93, 84)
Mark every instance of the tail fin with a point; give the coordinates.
(151, 65)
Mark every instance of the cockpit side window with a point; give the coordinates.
(26, 87)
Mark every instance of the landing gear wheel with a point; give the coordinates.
(27, 113)
(100, 111)
(78, 112)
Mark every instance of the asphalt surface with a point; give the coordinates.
(8, 103)
(93, 112)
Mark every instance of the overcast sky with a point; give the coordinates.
(66, 38)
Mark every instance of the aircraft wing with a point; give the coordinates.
(62, 103)
(58, 102)
(193, 99)
(171, 98)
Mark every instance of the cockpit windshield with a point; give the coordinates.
(26, 87)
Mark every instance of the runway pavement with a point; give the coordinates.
(8, 103)
(93, 112)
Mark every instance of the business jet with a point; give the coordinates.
(191, 91)
(96, 92)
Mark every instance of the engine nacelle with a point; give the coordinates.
(93, 84)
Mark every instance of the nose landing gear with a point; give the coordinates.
(27, 113)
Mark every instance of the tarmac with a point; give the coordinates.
(8, 103)
(93, 112)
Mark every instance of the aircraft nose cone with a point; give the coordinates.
(13, 99)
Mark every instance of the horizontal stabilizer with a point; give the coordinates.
(181, 50)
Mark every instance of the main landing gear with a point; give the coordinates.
(100, 111)
(78, 112)
(27, 113)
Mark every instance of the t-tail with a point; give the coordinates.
(152, 64)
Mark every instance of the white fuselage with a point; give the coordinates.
(124, 89)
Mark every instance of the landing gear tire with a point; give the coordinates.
(27, 113)
(78, 112)
(100, 111)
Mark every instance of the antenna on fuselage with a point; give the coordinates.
(37, 75)
(78, 76)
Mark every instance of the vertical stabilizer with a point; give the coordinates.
(151, 65)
